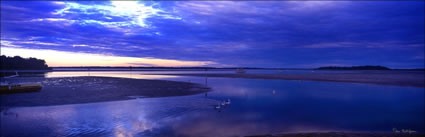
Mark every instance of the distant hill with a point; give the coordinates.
(19, 63)
(354, 68)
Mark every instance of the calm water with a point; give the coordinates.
(258, 107)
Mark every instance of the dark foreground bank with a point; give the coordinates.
(75, 90)
(345, 134)
(395, 78)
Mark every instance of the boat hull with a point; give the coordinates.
(21, 88)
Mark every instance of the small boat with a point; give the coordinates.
(19, 88)
(240, 70)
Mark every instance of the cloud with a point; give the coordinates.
(5, 43)
(21, 43)
(331, 45)
(37, 43)
(79, 45)
(92, 47)
(137, 48)
(51, 19)
(383, 44)
(127, 13)
(236, 33)
(312, 6)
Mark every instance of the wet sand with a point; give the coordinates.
(395, 78)
(345, 134)
(76, 90)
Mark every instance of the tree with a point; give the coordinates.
(19, 63)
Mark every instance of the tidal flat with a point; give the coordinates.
(394, 78)
(77, 90)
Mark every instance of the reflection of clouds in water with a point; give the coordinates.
(117, 118)
(164, 111)
(219, 124)
(49, 120)
(232, 91)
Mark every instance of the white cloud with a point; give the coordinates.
(50, 19)
(55, 21)
(59, 2)
(92, 47)
(5, 43)
(37, 43)
(79, 45)
(137, 48)
(134, 13)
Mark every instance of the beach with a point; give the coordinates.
(77, 90)
(394, 78)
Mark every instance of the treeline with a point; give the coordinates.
(19, 63)
(354, 68)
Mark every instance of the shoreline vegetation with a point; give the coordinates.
(78, 90)
(394, 78)
(10, 65)
(19, 63)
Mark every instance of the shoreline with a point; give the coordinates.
(404, 79)
(343, 134)
(200, 70)
(77, 90)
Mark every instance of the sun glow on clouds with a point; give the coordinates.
(130, 13)
(61, 58)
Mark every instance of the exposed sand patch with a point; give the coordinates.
(75, 90)
(395, 78)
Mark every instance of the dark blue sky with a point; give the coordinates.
(224, 33)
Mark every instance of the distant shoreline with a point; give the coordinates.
(394, 78)
(189, 69)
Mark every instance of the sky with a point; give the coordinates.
(286, 34)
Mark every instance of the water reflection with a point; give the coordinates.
(257, 107)
(122, 74)
(139, 73)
